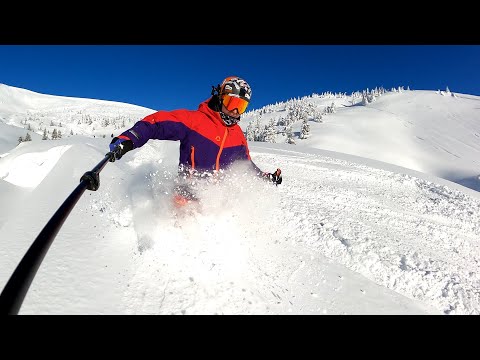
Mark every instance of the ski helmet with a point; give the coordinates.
(234, 93)
(235, 86)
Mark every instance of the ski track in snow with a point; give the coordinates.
(228, 258)
(432, 231)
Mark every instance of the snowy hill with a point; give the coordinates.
(437, 133)
(73, 116)
(349, 231)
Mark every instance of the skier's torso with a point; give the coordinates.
(206, 144)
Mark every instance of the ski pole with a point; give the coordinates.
(17, 286)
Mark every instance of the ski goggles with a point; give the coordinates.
(233, 102)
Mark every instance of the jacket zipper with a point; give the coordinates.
(217, 164)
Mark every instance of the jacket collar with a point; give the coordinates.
(211, 114)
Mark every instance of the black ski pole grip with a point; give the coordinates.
(93, 180)
(111, 156)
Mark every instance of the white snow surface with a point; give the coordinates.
(374, 216)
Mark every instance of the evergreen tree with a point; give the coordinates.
(289, 133)
(28, 137)
(250, 132)
(305, 133)
(258, 133)
(364, 99)
(270, 132)
(20, 139)
(54, 134)
(45, 137)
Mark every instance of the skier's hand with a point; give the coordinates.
(275, 177)
(119, 147)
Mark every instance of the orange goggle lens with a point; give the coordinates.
(232, 103)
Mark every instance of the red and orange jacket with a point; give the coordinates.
(206, 144)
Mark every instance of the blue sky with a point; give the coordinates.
(180, 76)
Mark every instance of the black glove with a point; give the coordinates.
(276, 177)
(119, 147)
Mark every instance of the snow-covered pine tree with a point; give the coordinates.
(250, 132)
(305, 132)
(289, 134)
(259, 134)
(270, 132)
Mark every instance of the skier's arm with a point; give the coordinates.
(265, 175)
(162, 125)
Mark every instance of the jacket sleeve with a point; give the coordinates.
(257, 170)
(162, 125)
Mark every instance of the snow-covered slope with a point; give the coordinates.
(73, 116)
(427, 131)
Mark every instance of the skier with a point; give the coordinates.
(210, 137)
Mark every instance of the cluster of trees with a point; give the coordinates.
(26, 138)
(447, 92)
(302, 109)
(54, 136)
(117, 122)
(80, 117)
(295, 110)
(44, 121)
